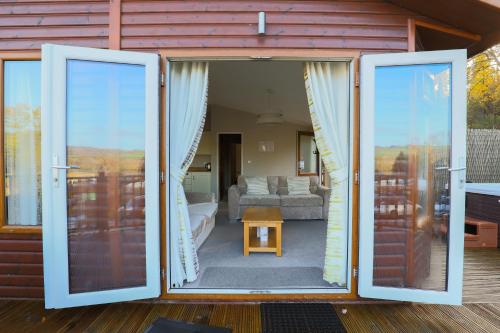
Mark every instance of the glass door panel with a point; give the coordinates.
(408, 192)
(99, 176)
(412, 137)
(105, 194)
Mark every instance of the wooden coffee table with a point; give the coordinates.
(256, 217)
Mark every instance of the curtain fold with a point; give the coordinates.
(22, 143)
(327, 87)
(188, 104)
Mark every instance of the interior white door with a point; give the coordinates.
(100, 176)
(412, 197)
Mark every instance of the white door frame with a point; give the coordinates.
(55, 238)
(458, 60)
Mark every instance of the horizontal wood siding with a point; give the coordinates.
(21, 266)
(367, 26)
(26, 25)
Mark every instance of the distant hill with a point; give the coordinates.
(93, 160)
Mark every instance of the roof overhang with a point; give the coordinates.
(474, 17)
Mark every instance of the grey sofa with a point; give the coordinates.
(293, 207)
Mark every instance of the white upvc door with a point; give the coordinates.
(100, 176)
(412, 197)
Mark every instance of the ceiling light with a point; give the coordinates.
(270, 119)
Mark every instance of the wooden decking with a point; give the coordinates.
(480, 314)
(29, 316)
(481, 276)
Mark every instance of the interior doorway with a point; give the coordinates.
(229, 162)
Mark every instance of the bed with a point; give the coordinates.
(202, 209)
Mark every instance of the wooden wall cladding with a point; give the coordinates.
(371, 26)
(21, 265)
(26, 24)
(151, 25)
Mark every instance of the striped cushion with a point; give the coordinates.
(257, 185)
(298, 185)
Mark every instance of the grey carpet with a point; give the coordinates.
(262, 278)
(303, 246)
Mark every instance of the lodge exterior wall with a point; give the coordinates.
(366, 26)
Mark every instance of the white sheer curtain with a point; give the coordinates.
(22, 142)
(327, 86)
(188, 104)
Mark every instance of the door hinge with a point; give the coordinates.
(356, 79)
(162, 79)
(162, 177)
(355, 272)
(163, 273)
(356, 177)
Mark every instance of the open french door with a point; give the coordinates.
(100, 176)
(412, 197)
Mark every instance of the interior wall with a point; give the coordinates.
(254, 163)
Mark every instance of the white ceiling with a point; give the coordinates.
(243, 85)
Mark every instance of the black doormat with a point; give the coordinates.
(163, 325)
(300, 318)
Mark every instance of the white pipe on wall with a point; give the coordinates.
(262, 23)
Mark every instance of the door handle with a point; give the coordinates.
(65, 167)
(457, 169)
(450, 169)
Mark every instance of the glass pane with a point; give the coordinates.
(412, 152)
(105, 138)
(22, 142)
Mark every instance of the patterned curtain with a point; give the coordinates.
(188, 105)
(327, 87)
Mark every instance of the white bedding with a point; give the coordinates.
(202, 220)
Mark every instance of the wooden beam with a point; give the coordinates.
(115, 10)
(485, 43)
(448, 30)
(411, 35)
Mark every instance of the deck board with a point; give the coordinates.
(481, 312)
(481, 276)
(29, 316)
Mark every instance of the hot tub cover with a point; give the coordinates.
(483, 188)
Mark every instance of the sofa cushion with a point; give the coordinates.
(257, 185)
(298, 185)
(301, 200)
(314, 183)
(260, 200)
(283, 184)
(242, 184)
(272, 183)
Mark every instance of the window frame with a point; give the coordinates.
(4, 227)
(454, 281)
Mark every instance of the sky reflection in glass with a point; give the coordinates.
(106, 105)
(412, 105)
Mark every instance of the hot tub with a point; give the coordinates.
(483, 202)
